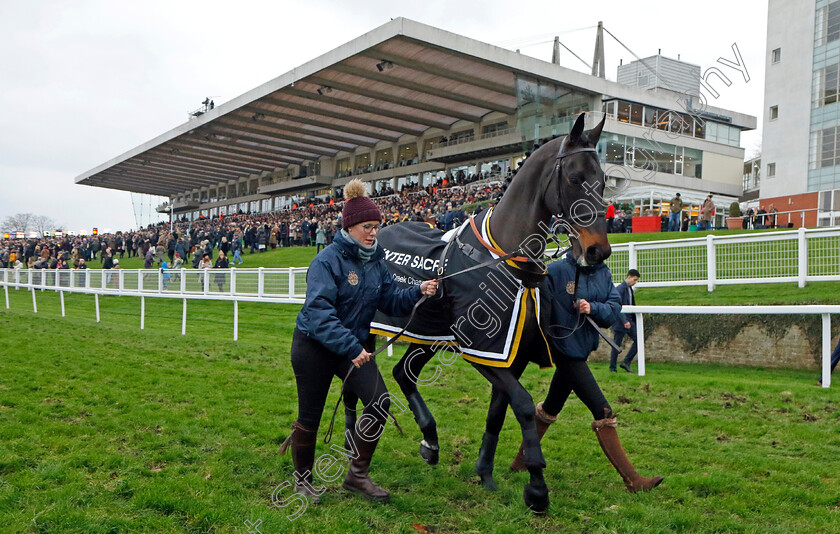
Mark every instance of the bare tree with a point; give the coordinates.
(19, 222)
(42, 223)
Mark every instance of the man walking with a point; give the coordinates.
(626, 324)
(675, 217)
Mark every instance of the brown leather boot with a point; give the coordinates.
(302, 442)
(543, 422)
(610, 444)
(357, 479)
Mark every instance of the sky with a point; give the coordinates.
(82, 82)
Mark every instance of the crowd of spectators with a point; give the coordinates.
(194, 243)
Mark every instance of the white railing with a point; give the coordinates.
(803, 255)
(282, 286)
(264, 285)
(824, 311)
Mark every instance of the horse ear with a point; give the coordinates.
(577, 129)
(595, 133)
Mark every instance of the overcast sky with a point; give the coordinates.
(82, 82)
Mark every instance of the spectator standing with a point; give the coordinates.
(707, 211)
(675, 218)
(626, 323)
(320, 239)
(220, 278)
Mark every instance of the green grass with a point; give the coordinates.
(280, 257)
(107, 428)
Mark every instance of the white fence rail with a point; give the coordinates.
(824, 311)
(283, 286)
(287, 286)
(804, 255)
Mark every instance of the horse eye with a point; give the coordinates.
(575, 179)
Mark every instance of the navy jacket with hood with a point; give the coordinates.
(337, 313)
(595, 285)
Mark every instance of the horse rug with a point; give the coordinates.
(481, 312)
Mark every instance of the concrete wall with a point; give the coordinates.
(752, 346)
(785, 141)
(723, 169)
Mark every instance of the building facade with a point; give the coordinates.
(801, 141)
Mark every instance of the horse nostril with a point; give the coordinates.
(597, 253)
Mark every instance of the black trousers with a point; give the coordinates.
(315, 366)
(573, 374)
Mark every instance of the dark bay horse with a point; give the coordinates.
(561, 178)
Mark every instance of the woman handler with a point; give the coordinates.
(345, 285)
(572, 291)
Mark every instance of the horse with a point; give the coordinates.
(563, 179)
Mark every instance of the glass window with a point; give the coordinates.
(827, 148)
(825, 200)
(734, 136)
(678, 160)
(771, 170)
(610, 108)
(385, 158)
(650, 117)
(407, 154)
(699, 128)
(774, 112)
(636, 114)
(624, 111)
(777, 55)
(830, 81)
(692, 162)
(614, 151)
(832, 23)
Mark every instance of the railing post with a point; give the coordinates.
(120, 281)
(233, 285)
(711, 262)
(96, 300)
(183, 280)
(260, 281)
(142, 312)
(632, 259)
(826, 350)
(88, 274)
(803, 256)
(235, 320)
(184, 317)
(6, 286)
(17, 279)
(291, 282)
(103, 279)
(34, 303)
(640, 343)
(160, 280)
(206, 283)
(61, 296)
(72, 281)
(139, 280)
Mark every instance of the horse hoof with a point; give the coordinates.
(429, 455)
(536, 498)
(488, 483)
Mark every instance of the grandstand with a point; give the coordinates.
(408, 106)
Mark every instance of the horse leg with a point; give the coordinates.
(407, 373)
(486, 454)
(535, 494)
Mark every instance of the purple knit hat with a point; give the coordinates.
(358, 207)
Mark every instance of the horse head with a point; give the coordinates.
(574, 191)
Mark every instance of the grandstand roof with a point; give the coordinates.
(400, 79)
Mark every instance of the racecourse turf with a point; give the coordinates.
(107, 428)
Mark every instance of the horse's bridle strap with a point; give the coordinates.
(490, 247)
